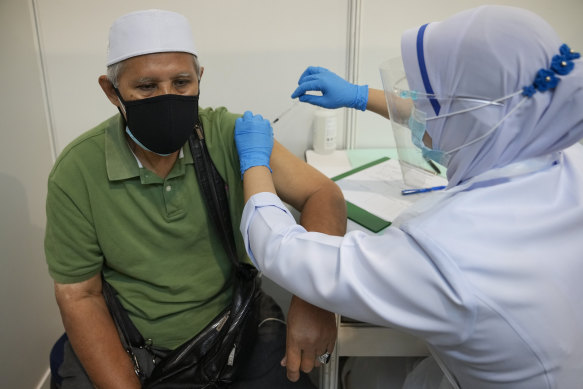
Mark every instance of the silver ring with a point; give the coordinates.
(324, 358)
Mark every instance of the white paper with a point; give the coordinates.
(377, 189)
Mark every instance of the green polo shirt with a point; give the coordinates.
(151, 237)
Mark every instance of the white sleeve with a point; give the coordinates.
(380, 279)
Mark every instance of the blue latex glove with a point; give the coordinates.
(336, 92)
(254, 140)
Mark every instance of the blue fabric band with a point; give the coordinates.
(423, 69)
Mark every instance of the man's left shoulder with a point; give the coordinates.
(218, 124)
(219, 116)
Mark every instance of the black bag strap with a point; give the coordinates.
(129, 334)
(213, 187)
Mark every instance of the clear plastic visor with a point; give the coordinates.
(411, 110)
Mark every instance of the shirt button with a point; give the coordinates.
(168, 188)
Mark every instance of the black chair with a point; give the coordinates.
(56, 359)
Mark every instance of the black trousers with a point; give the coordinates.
(261, 371)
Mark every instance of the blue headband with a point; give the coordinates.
(545, 79)
(423, 69)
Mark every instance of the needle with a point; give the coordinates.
(285, 112)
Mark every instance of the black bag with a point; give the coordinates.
(210, 359)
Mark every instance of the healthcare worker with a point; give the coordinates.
(488, 271)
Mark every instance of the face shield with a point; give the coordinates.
(416, 170)
(411, 113)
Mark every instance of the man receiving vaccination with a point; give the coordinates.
(124, 204)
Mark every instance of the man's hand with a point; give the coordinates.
(311, 331)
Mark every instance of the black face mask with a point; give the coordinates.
(161, 124)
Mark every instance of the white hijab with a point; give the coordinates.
(491, 52)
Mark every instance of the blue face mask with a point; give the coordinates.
(418, 127)
(140, 143)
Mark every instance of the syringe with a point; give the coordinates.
(285, 112)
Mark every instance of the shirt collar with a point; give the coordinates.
(121, 163)
(180, 156)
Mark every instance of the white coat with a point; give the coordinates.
(489, 274)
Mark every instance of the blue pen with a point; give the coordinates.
(405, 192)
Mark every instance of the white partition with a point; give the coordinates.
(29, 319)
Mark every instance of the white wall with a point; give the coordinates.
(253, 52)
(29, 322)
(380, 37)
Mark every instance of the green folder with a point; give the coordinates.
(359, 215)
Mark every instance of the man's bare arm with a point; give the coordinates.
(311, 331)
(93, 335)
(318, 198)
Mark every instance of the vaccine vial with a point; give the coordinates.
(325, 126)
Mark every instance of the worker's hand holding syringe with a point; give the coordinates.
(337, 92)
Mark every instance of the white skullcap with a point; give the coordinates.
(147, 32)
